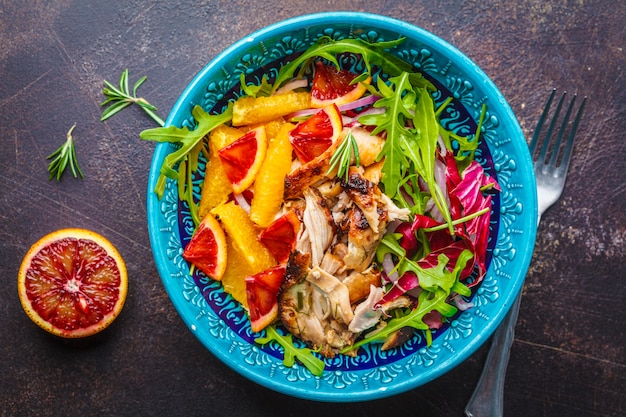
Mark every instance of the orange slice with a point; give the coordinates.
(216, 186)
(311, 137)
(72, 283)
(243, 233)
(237, 269)
(334, 86)
(251, 110)
(207, 248)
(270, 183)
(262, 291)
(280, 236)
(242, 159)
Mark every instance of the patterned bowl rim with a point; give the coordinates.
(518, 245)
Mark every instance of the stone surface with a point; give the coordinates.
(569, 355)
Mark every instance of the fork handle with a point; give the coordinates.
(487, 400)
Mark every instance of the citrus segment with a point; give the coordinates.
(224, 135)
(271, 127)
(334, 86)
(207, 248)
(237, 269)
(280, 236)
(243, 234)
(216, 187)
(311, 137)
(262, 292)
(72, 283)
(242, 159)
(270, 182)
(251, 110)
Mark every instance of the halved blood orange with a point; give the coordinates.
(334, 86)
(262, 293)
(280, 236)
(242, 159)
(311, 137)
(72, 283)
(207, 248)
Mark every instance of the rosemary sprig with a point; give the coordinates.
(65, 155)
(342, 157)
(121, 97)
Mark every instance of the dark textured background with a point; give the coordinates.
(569, 355)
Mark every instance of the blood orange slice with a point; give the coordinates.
(242, 159)
(311, 137)
(334, 86)
(280, 236)
(72, 283)
(262, 293)
(207, 248)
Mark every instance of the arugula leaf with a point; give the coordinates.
(304, 355)
(252, 90)
(428, 127)
(430, 279)
(412, 132)
(373, 54)
(398, 99)
(427, 302)
(186, 156)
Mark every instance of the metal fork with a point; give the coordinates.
(551, 162)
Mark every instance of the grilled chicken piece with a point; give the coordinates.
(359, 283)
(398, 338)
(297, 315)
(362, 241)
(393, 212)
(365, 195)
(330, 189)
(315, 306)
(400, 302)
(332, 263)
(294, 306)
(374, 172)
(369, 145)
(365, 315)
(296, 269)
(336, 297)
(318, 223)
(311, 173)
(377, 207)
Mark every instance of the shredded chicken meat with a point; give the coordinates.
(332, 284)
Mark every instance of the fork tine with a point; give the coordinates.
(542, 119)
(541, 158)
(559, 137)
(569, 146)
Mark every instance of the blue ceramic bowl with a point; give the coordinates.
(222, 325)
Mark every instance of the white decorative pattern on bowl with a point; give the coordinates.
(221, 324)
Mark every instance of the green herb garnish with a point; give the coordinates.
(65, 155)
(342, 157)
(190, 144)
(304, 355)
(118, 98)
